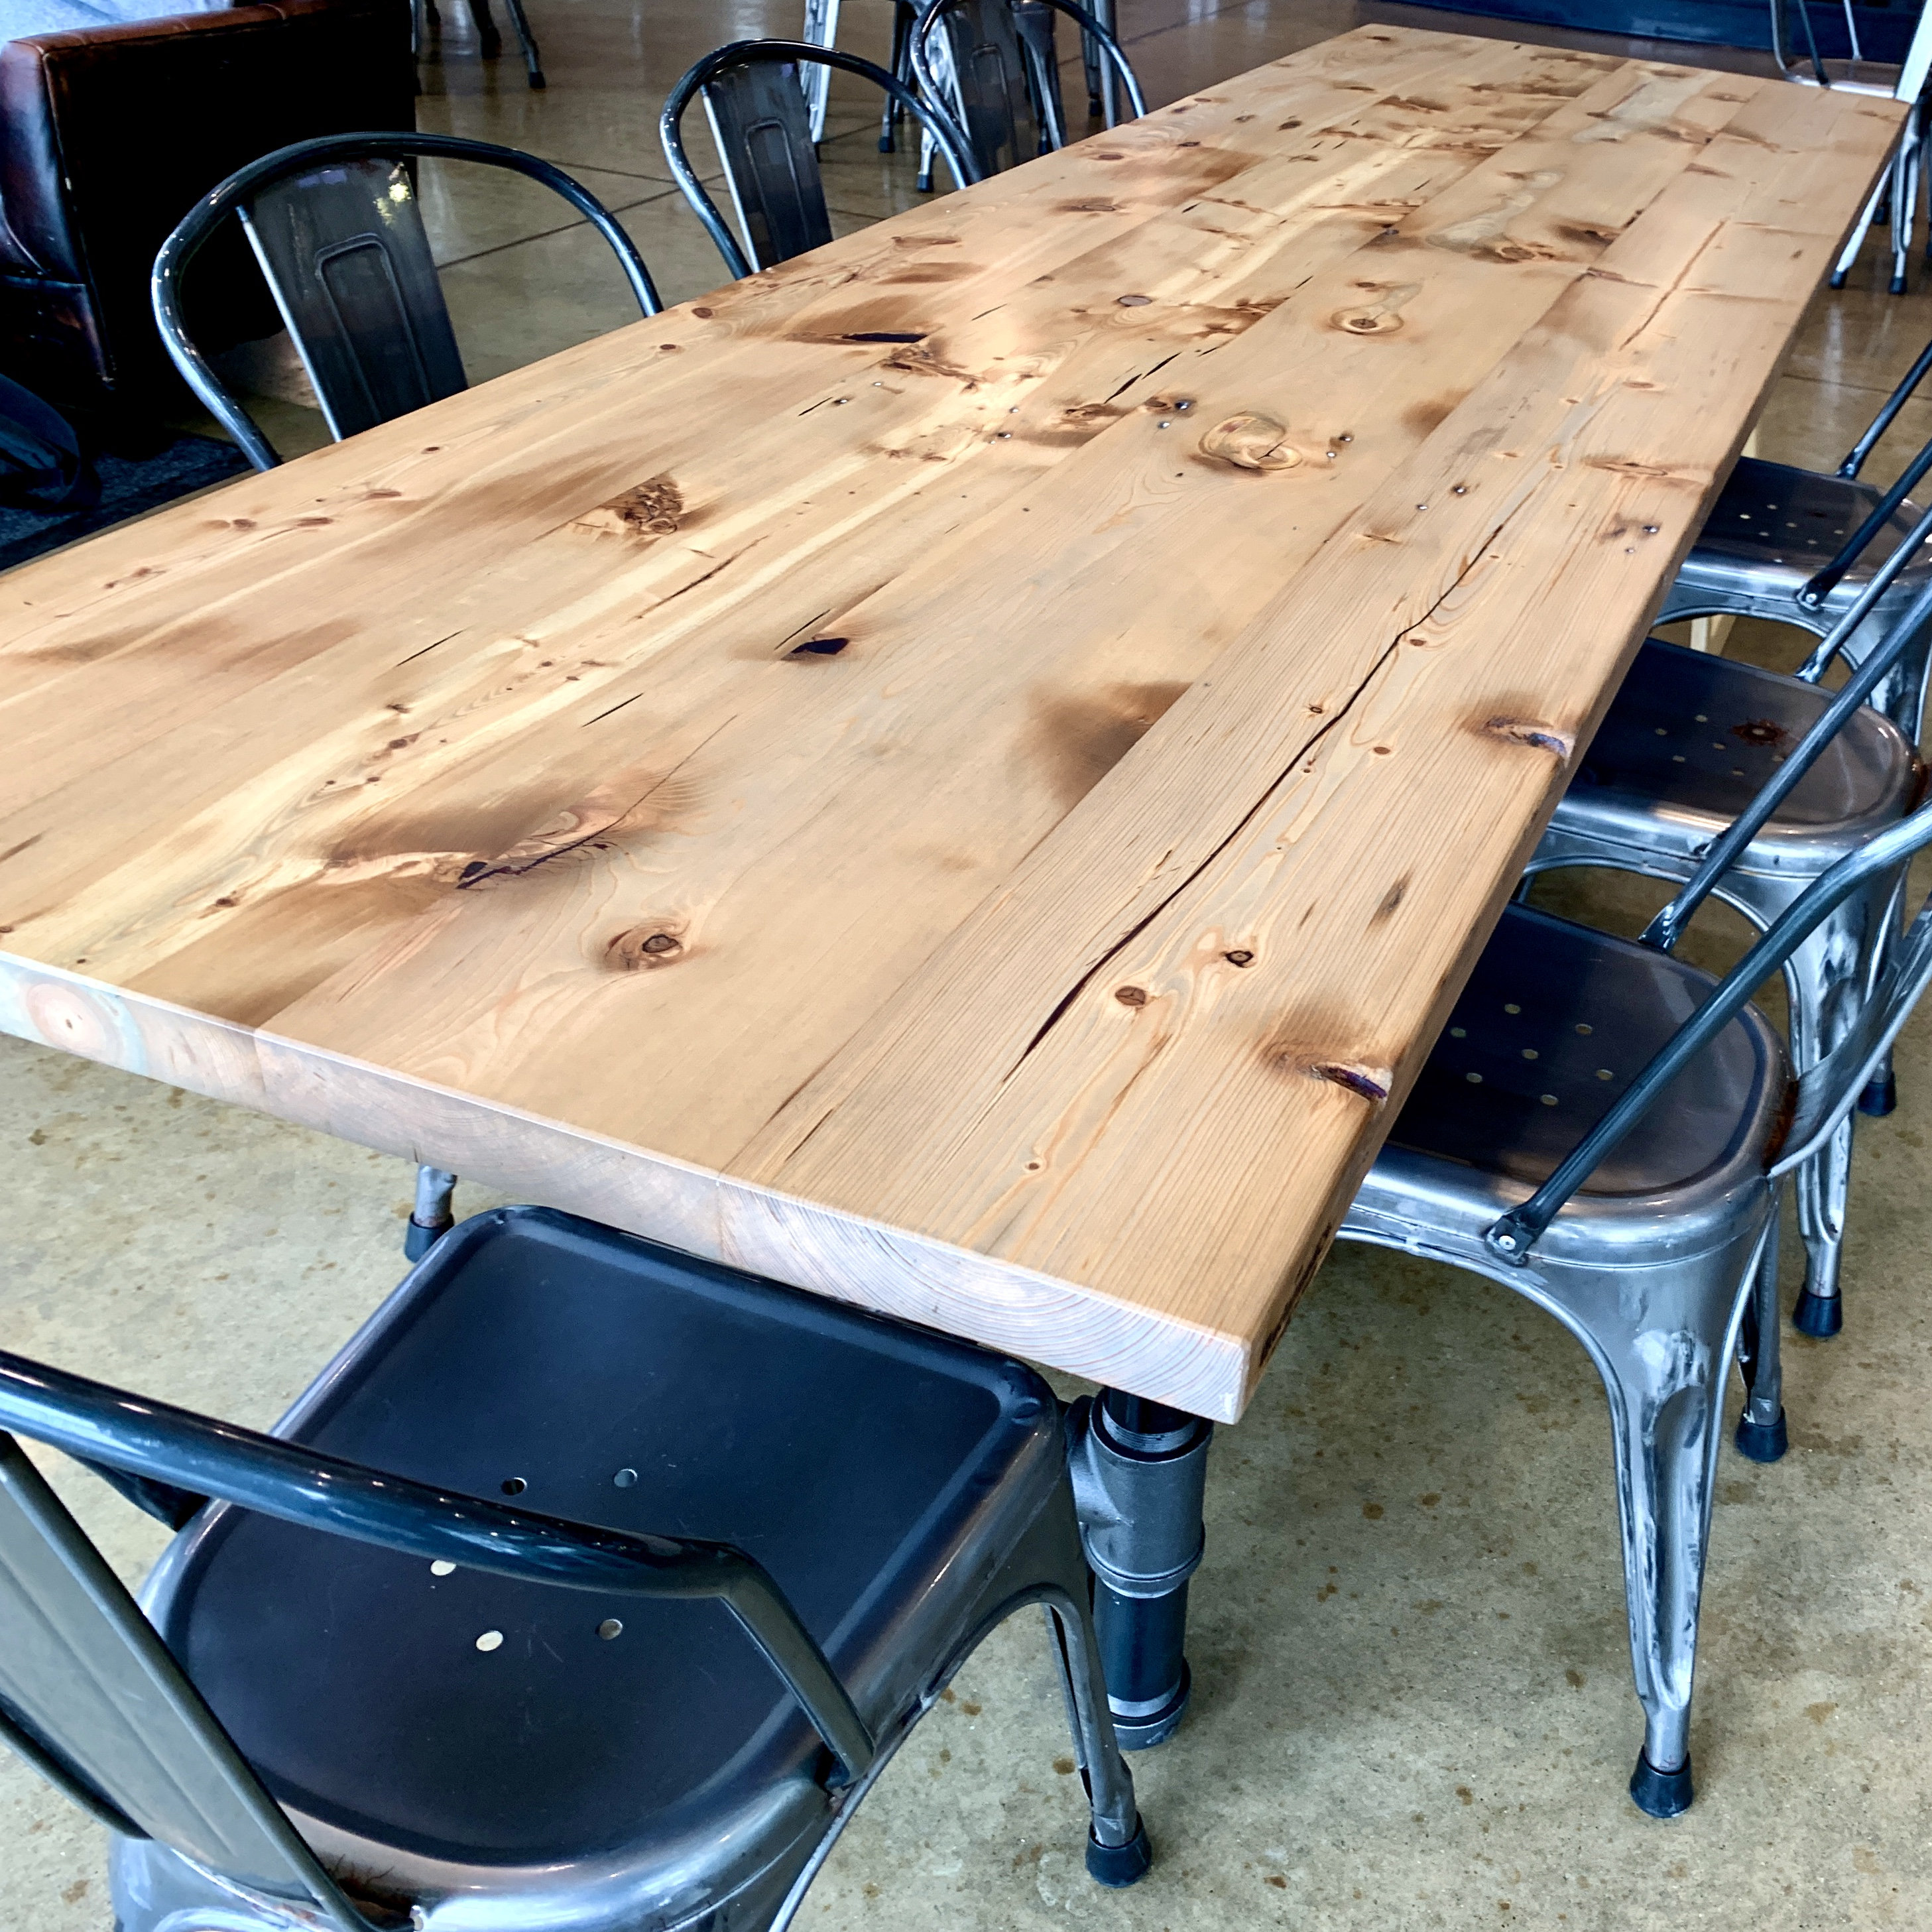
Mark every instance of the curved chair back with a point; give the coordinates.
(336, 226)
(91, 1697)
(761, 123)
(995, 62)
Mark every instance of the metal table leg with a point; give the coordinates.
(1139, 1472)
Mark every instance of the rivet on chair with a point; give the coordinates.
(491, 1640)
(1549, 1099)
(1529, 1053)
(1459, 1033)
(610, 1627)
(1662, 733)
(1702, 719)
(1677, 758)
(441, 1569)
(1473, 1079)
(1509, 1007)
(1581, 1028)
(625, 1478)
(513, 1486)
(1604, 1073)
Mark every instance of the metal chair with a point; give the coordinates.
(591, 1585)
(1603, 1129)
(1798, 547)
(761, 123)
(1795, 45)
(1737, 782)
(995, 64)
(335, 225)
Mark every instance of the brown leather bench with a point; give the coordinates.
(107, 136)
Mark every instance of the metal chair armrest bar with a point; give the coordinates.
(198, 1455)
(952, 142)
(1812, 593)
(1511, 1236)
(1854, 460)
(1667, 928)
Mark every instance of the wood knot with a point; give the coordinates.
(643, 948)
(654, 509)
(819, 647)
(1250, 441)
(1371, 1084)
(1241, 956)
(1131, 996)
(1521, 731)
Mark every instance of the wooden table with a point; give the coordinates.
(964, 772)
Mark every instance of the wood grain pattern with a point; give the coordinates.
(962, 773)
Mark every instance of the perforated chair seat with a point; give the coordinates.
(1696, 736)
(1798, 519)
(1555, 1023)
(429, 1730)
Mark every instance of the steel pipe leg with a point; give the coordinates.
(1140, 1471)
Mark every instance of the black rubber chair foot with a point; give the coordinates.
(1898, 285)
(1881, 1096)
(1139, 1734)
(1762, 1441)
(1116, 1866)
(538, 82)
(1821, 1316)
(885, 145)
(1661, 1794)
(418, 1240)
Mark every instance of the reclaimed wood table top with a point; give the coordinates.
(963, 773)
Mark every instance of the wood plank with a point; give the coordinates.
(465, 789)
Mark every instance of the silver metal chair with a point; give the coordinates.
(591, 1586)
(1795, 45)
(335, 226)
(995, 64)
(761, 123)
(1734, 780)
(1603, 1129)
(1798, 547)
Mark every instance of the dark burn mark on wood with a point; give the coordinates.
(1526, 731)
(884, 335)
(819, 647)
(1080, 739)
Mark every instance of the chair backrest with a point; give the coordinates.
(336, 228)
(1827, 1091)
(1907, 631)
(994, 61)
(91, 1697)
(760, 121)
(1795, 45)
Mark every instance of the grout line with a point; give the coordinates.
(544, 234)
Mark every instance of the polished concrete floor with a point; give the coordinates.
(1415, 1705)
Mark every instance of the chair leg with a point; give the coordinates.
(489, 42)
(1661, 1340)
(1118, 1852)
(432, 1216)
(1857, 240)
(1762, 1434)
(1904, 206)
(533, 66)
(903, 17)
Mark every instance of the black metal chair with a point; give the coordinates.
(995, 64)
(1603, 1129)
(335, 225)
(489, 41)
(761, 123)
(754, 1533)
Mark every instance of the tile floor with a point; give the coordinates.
(1414, 1707)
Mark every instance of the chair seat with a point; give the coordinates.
(424, 1725)
(1784, 524)
(1556, 1022)
(1696, 735)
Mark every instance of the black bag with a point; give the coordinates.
(42, 466)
